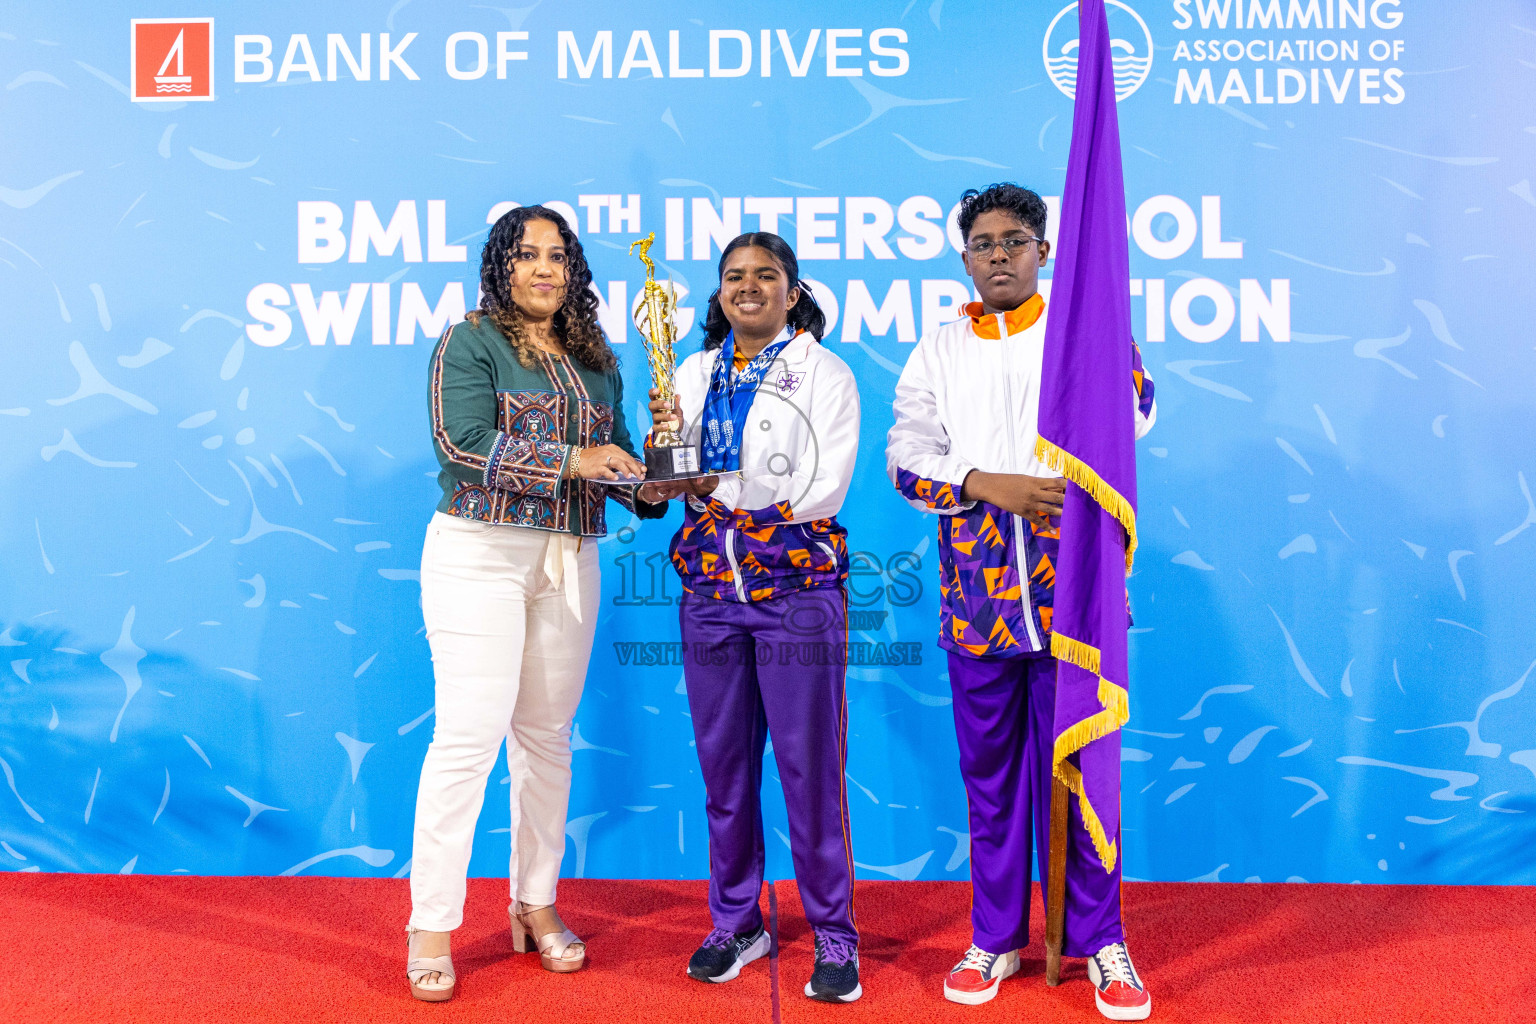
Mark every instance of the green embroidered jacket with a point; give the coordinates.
(504, 434)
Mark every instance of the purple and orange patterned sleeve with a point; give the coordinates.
(918, 458)
(936, 495)
(1146, 404)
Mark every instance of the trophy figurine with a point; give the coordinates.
(667, 456)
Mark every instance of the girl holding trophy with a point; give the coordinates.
(764, 562)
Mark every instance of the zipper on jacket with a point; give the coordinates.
(1020, 552)
(730, 555)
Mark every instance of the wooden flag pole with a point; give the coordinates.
(1056, 882)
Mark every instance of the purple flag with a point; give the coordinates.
(1087, 433)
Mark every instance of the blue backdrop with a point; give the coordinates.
(212, 509)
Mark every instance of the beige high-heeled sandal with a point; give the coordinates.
(418, 967)
(561, 952)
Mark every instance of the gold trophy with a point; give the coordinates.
(667, 456)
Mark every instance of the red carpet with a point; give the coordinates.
(180, 950)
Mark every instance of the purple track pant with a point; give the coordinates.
(1004, 712)
(773, 666)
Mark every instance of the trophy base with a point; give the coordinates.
(679, 462)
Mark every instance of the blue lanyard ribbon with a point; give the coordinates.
(729, 402)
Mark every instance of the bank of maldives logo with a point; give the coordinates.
(171, 59)
(1130, 47)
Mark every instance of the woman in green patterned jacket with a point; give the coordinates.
(527, 410)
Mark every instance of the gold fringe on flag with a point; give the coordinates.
(1116, 704)
(1106, 848)
(1075, 651)
(1111, 500)
(1113, 698)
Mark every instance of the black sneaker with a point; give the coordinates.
(724, 954)
(836, 978)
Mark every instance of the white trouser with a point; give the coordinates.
(510, 614)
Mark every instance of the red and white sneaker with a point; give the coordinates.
(1117, 988)
(975, 978)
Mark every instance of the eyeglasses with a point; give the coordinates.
(1011, 246)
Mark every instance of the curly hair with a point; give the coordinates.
(804, 315)
(1028, 207)
(575, 321)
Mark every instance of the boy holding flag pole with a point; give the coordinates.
(992, 412)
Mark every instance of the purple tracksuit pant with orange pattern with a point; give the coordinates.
(773, 667)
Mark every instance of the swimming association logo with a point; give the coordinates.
(1130, 44)
(170, 59)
